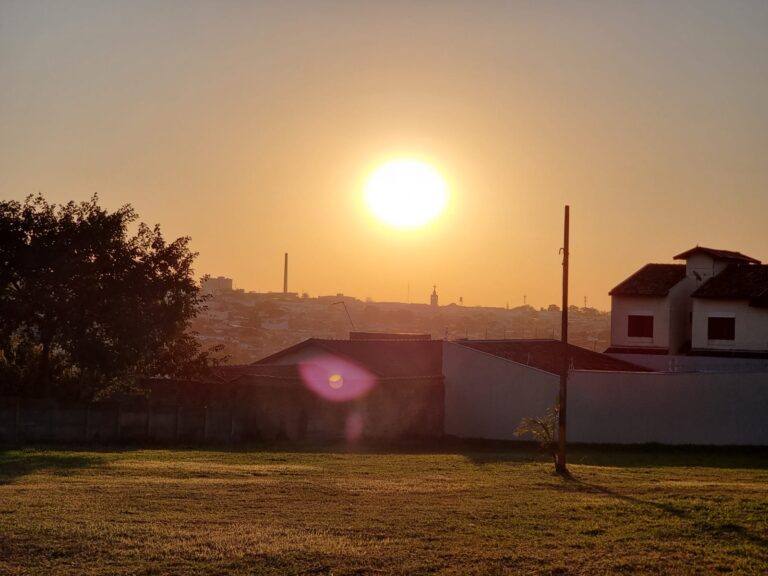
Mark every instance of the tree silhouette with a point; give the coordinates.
(86, 305)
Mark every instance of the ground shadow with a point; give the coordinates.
(573, 483)
(657, 456)
(16, 463)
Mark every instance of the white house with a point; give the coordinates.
(716, 303)
(730, 313)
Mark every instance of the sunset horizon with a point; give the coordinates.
(253, 128)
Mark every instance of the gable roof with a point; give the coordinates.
(384, 358)
(738, 282)
(651, 280)
(547, 355)
(727, 255)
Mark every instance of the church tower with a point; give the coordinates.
(433, 297)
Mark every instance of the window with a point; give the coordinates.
(719, 328)
(640, 326)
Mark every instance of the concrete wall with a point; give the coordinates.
(673, 363)
(26, 420)
(487, 396)
(751, 325)
(624, 306)
(679, 408)
(201, 412)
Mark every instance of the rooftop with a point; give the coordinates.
(547, 355)
(228, 373)
(717, 254)
(738, 282)
(384, 358)
(651, 280)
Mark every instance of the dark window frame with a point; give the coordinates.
(639, 326)
(721, 328)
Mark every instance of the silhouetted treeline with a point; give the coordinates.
(86, 306)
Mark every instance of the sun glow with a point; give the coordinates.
(406, 193)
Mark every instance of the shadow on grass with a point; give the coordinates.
(657, 456)
(704, 527)
(616, 456)
(17, 463)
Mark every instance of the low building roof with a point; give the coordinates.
(547, 355)
(738, 282)
(717, 254)
(384, 358)
(229, 373)
(651, 280)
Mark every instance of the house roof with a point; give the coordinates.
(547, 355)
(384, 358)
(727, 255)
(228, 373)
(738, 282)
(651, 280)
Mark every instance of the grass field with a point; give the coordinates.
(323, 512)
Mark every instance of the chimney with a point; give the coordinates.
(285, 275)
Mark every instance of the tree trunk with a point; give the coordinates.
(44, 376)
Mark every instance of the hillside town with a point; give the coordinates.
(252, 325)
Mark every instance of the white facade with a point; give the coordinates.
(702, 267)
(622, 307)
(751, 326)
(671, 319)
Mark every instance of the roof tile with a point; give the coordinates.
(547, 355)
(651, 280)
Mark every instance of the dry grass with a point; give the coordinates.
(263, 512)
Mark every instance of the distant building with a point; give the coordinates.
(433, 297)
(714, 304)
(217, 285)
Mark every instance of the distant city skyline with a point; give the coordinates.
(253, 127)
(223, 283)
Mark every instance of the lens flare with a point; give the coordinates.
(336, 379)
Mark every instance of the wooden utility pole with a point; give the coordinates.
(561, 425)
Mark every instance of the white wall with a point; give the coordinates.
(680, 408)
(751, 325)
(623, 306)
(487, 396)
(704, 266)
(672, 363)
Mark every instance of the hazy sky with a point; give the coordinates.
(251, 127)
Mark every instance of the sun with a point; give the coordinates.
(406, 193)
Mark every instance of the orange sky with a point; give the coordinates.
(252, 126)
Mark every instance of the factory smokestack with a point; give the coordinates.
(285, 275)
